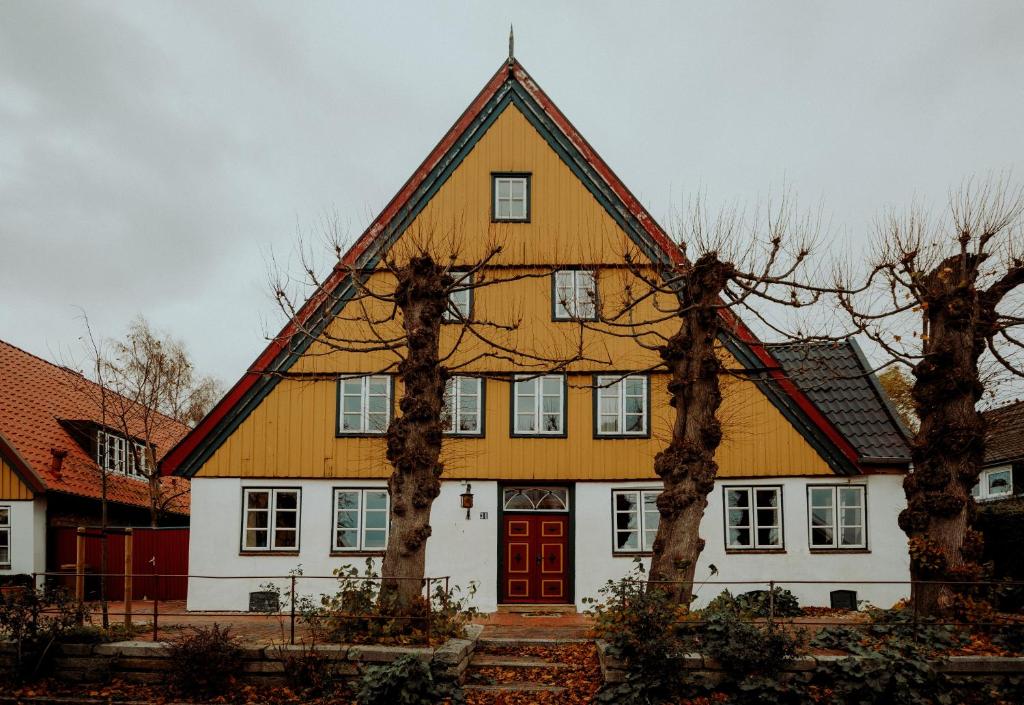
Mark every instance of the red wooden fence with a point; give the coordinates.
(154, 552)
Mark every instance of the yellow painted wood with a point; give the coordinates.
(292, 432)
(289, 435)
(11, 486)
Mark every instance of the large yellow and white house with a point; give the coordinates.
(289, 468)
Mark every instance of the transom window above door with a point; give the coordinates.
(535, 499)
(511, 197)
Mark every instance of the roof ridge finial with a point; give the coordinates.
(511, 45)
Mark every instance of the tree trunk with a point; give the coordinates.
(414, 438)
(948, 448)
(687, 466)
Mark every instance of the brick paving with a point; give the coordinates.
(172, 616)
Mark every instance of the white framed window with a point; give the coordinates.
(270, 519)
(5, 536)
(114, 454)
(460, 299)
(364, 404)
(635, 520)
(993, 483)
(539, 406)
(361, 519)
(753, 517)
(511, 197)
(621, 405)
(837, 516)
(575, 295)
(463, 406)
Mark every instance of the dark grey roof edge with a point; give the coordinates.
(880, 392)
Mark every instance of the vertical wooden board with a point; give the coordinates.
(12, 487)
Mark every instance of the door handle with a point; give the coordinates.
(540, 559)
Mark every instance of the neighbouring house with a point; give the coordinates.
(289, 468)
(1003, 475)
(53, 443)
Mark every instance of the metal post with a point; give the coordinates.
(80, 564)
(914, 595)
(291, 597)
(156, 616)
(430, 610)
(771, 602)
(128, 580)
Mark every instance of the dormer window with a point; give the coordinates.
(114, 454)
(511, 197)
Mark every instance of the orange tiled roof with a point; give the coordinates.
(36, 396)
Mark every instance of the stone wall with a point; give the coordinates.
(983, 667)
(148, 662)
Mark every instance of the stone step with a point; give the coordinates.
(516, 687)
(542, 609)
(515, 642)
(503, 661)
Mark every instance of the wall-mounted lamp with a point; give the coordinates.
(467, 499)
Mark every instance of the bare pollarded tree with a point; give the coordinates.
(955, 283)
(410, 314)
(741, 266)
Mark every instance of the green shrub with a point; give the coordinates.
(757, 603)
(206, 660)
(312, 673)
(354, 613)
(405, 681)
(36, 620)
(643, 630)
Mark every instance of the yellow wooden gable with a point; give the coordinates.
(291, 433)
(11, 485)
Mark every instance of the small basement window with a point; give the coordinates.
(511, 197)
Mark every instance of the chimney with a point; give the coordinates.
(58, 460)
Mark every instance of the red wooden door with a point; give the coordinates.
(536, 558)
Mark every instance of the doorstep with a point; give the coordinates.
(540, 609)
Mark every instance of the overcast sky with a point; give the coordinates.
(153, 154)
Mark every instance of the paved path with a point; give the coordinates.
(260, 628)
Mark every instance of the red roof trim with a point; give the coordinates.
(507, 70)
(21, 466)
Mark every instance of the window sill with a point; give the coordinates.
(342, 434)
(621, 436)
(356, 554)
(840, 550)
(632, 554)
(755, 551)
(268, 553)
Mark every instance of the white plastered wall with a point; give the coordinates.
(466, 550)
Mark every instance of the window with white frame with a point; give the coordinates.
(463, 406)
(993, 484)
(575, 293)
(837, 516)
(270, 519)
(621, 405)
(460, 298)
(635, 520)
(512, 197)
(360, 519)
(364, 404)
(5, 537)
(116, 453)
(539, 405)
(753, 517)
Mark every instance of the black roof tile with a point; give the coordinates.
(837, 378)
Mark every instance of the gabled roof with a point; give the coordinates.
(37, 400)
(510, 85)
(1004, 435)
(838, 379)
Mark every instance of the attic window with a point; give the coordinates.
(511, 197)
(114, 454)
